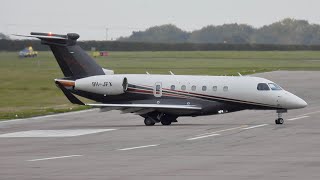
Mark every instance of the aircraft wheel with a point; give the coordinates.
(166, 122)
(279, 121)
(149, 121)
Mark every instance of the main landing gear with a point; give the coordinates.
(165, 119)
(148, 121)
(280, 120)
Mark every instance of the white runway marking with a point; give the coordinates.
(54, 133)
(58, 157)
(138, 147)
(310, 113)
(251, 127)
(200, 137)
(293, 119)
(46, 116)
(223, 130)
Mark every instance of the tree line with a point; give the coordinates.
(285, 32)
(3, 36)
(285, 35)
(17, 45)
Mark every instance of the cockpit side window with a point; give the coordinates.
(274, 86)
(263, 87)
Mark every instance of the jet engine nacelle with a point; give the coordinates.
(103, 84)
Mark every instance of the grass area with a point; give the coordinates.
(27, 87)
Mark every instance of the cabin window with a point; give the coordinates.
(204, 88)
(173, 87)
(225, 88)
(274, 86)
(214, 88)
(263, 87)
(183, 87)
(193, 88)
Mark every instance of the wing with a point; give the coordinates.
(144, 108)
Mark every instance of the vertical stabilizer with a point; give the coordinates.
(73, 60)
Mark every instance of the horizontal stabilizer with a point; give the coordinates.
(42, 36)
(54, 39)
(74, 62)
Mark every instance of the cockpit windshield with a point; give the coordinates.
(263, 87)
(274, 86)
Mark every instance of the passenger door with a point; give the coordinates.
(157, 89)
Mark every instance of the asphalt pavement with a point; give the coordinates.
(111, 145)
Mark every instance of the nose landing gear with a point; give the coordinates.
(280, 120)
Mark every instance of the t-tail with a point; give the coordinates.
(74, 62)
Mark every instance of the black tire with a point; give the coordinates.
(149, 122)
(166, 122)
(281, 121)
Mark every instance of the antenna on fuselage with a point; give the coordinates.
(147, 72)
(171, 72)
(239, 74)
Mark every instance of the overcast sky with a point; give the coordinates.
(90, 18)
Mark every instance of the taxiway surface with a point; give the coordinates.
(110, 145)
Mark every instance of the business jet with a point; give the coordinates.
(161, 98)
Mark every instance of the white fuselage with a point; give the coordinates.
(233, 88)
(160, 98)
